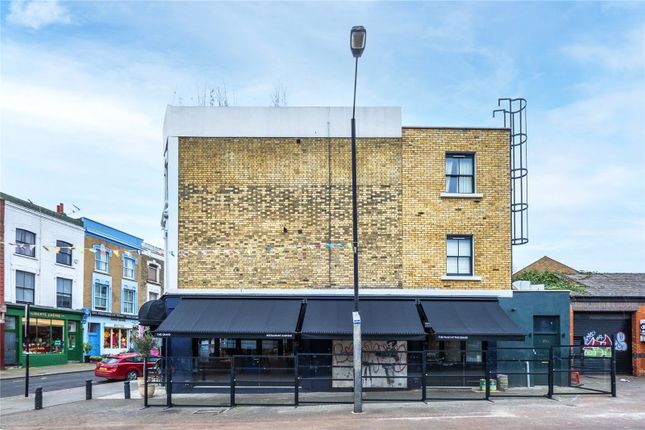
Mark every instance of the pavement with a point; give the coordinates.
(109, 410)
(70, 367)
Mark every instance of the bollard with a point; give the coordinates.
(126, 389)
(88, 389)
(39, 399)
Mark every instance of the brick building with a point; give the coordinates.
(114, 287)
(258, 224)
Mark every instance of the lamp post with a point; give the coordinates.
(357, 44)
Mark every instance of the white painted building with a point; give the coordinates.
(154, 271)
(43, 256)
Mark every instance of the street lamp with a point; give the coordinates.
(357, 38)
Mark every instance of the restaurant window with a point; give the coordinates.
(473, 351)
(64, 255)
(45, 336)
(116, 338)
(227, 347)
(25, 242)
(25, 287)
(63, 293)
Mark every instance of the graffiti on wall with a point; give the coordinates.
(599, 345)
(384, 364)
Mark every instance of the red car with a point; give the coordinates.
(123, 366)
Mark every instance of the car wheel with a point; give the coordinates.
(132, 375)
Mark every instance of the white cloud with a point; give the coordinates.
(37, 14)
(627, 54)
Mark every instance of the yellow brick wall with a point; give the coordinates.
(428, 218)
(239, 197)
(116, 272)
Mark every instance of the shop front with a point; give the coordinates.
(54, 336)
(110, 334)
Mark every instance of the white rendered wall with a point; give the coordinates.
(48, 230)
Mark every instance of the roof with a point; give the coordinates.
(98, 229)
(610, 284)
(545, 264)
(41, 209)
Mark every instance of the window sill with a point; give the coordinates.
(101, 272)
(461, 278)
(64, 265)
(461, 196)
(26, 256)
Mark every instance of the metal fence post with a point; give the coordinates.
(168, 376)
(613, 367)
(88, 389)
(488, 375)
(423, 376)
(126, 389)
(232, 384)
(551, 370)
(38, 402)
(145, 382)
(296, 400)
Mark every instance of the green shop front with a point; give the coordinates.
(55, 336)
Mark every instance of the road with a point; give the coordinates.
(15, 387)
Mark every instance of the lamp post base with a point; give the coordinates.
(358, 365)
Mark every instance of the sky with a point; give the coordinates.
(84, 87)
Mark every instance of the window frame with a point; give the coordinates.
(125, 267)
(59, 294)
(471, 257)
(134, 292)
(156, 268)
(461, 155)
(65, 251)
(19, 244)
(108, 293)
(97, 260)
(22, 287)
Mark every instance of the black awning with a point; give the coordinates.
(152, 313)
(380, 319)
(462, 318)
(252, 318)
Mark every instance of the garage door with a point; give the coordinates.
(600, 328)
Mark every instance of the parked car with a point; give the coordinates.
(123, 366)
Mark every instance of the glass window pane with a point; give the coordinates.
(465, 184)
(464, 265)
(452, 166)
(451, 265)
(452, 184)
(466, 166)
(464, 247)
(453, 247)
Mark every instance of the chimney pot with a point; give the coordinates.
(60, 208)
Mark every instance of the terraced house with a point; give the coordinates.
(258, 222)
(113, 288)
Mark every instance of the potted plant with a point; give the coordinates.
(142, 344)
(87, 347)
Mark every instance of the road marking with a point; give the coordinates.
(449, 417)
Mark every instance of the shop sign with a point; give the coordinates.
(642, 330)
(451, 337)
(46, 315)
(280, 335)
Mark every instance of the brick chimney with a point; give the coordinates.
(60, 208)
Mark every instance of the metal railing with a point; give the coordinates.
(394, 376)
